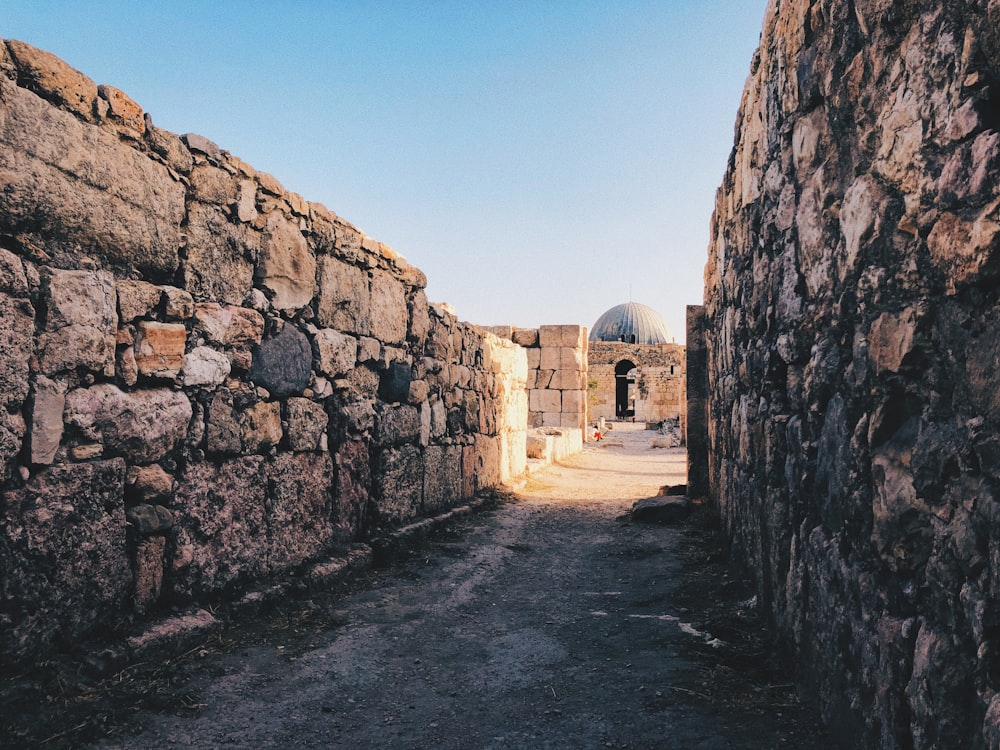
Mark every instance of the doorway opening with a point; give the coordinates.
(625, 389)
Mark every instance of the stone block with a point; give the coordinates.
(394, 384)
(81, 322)
(76, 191)
(534, 357)
(550, 358)
(142, 426)
(336, 353)
(159, 348)
(136, 299)
(220, 534)
(892, 339)
(53, 79)
(568, 380)
(287, 266)
(63, 555)
(545, 400)
(227, 325)
(220, 255)
(526, 337)
(283, 363)
(261, 427)
(398, 485)
(539, 447)
(148, 573)
(224, 433)
(481, 465)
(353, 488)
(177, 303)
(661, 509)
(571, 359)
(344, 297)
(205, 367)
(442, 478)
(566, 335)
(148, 519)
(300, 508)
(420, 321)
(389, 314)
(149, 484)
(574, 402)
(418, 392)
(212, 185)
(307, 424)
(577, 421)
(47, 419)
(395, 425)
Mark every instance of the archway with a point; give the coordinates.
(624, 389)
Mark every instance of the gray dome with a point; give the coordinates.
(622, 322)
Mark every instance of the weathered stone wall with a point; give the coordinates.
(206, 380)
(854, 360)
(659, 384)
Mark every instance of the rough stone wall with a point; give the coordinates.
(206, 380)
(853, 351)
(659, 385)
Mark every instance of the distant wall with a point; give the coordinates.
(207, 380)
(853, 339)
(659, 384)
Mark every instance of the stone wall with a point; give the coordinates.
(659, 383)
(853, 350)
(207, 380)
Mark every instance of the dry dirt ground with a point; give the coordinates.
(550, 620)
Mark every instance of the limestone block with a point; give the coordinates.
(359, 416)
(550, 358)
(514, 461)
(551, 419)
(212, 185)
(481, 465)
(336, 352)
(570, 420)
(136, 299)
(224, 433)
(395, 425)
(62, 543)
(74, 190)
(148, 573)
(891, 339)
(344, 297)
(177, 304)
(369, 351)
(574, 402)
(567, 335)
(353, 488)
(283, 363)
(220, 256)
(534, 357)
(547, 400)
(568, 380)
(149, 484)
(143, 426)
(245, 206)
(526, 337)
(418, 392)
(571, 359)
(307, 423)
(159, 348)
(47, 419)
(389, 314)
(287, 266)
(967, 251)
(425, 424)
(17, 324)
(81, 322)
(539, 447)
(442, 477)
(228, 326)
(420, 321)
(261, 425)
(52, 79)
(365, 381)
(543, 379)
(204, 366)
(199, 144)
(300, 506)
(123, 111)
(398, 485)
(220, 529)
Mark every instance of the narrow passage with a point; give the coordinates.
(549, 622)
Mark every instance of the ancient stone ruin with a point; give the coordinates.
(852, 334)
(208, 381)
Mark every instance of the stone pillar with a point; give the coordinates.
(697, 403)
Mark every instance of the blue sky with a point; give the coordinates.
(539, 161)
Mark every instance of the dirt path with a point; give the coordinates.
(549, 622)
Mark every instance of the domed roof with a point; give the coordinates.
(622, 322)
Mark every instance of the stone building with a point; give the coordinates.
(635, 368)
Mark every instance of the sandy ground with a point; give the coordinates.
(550, 621)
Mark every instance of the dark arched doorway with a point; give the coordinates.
(624, 387)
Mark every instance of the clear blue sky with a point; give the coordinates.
(537, 160)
